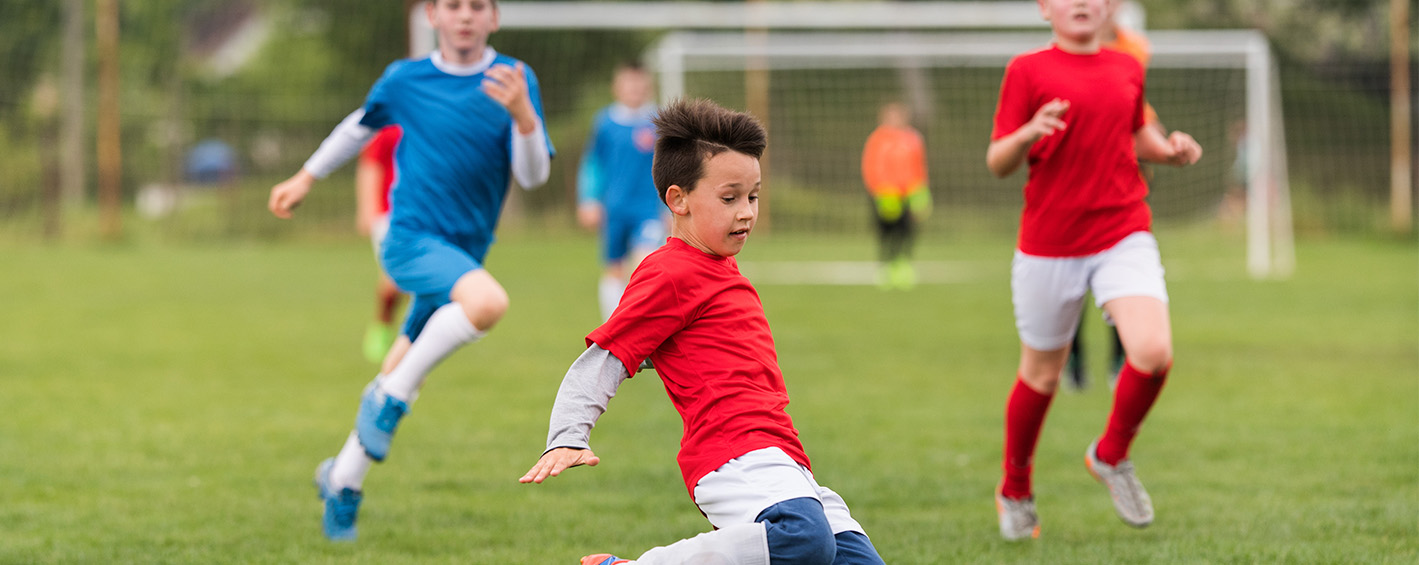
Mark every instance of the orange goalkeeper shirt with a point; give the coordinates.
(894, 162)
(1134, 45)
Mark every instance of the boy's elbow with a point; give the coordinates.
(1000, 170)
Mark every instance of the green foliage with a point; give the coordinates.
(168, 403)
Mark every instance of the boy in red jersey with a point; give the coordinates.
(689, 310)
(374, 175)
(1075, 113)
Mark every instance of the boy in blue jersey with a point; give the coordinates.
(471, 119)
(614, 186)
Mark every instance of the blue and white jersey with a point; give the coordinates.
(615, 167)
(455, 158)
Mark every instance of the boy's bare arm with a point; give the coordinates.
(1008, 153)
(1176, 149)
(369, 178)
(586, 390)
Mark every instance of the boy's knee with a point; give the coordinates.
(1151, 357)
(799, 533)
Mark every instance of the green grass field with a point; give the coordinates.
(167, 404)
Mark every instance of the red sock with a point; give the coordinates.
(388, 301)
(1132, 399)
(1024, 416)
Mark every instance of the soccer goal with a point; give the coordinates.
(824, 89)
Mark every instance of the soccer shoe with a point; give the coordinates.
(341, 506)
(375, 422)
(1017, 517)
(378, 338)
(1131, 501)
(603, 559)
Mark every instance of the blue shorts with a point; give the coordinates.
(427, 266)
(620, 235)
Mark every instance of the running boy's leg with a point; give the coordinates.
(1129, 284)
(1048, 294)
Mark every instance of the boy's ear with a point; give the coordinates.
(675, 199)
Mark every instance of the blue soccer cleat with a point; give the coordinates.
(375, 422)
(603, 559)
(341, 507)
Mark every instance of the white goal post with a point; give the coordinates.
(1270, 250)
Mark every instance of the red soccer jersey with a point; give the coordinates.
(702, 324)
(1084, 192)
(380, 150)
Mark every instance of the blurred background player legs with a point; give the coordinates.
(615, 191)
(374, 177)
(894, 171)
(1076, 369)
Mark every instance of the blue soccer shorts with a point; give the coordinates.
(619, 236)
(427, 266)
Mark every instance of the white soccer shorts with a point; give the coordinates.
(1048, 292)
(739, 490)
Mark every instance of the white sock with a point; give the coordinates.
(740, 544)
(351, 465)
(608, 293)
(447, 330)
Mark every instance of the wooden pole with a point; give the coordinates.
(1401, 189)
(73, 165)
(109, 151)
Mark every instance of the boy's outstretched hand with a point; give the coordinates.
(289, 194)
(1184, 149)
(557, 460)
(508, 86)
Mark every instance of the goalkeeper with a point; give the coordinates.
(894, 170)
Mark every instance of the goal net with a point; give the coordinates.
(820, 91)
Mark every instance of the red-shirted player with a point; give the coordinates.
(374, 176)
(689, 310)
(1075, 113)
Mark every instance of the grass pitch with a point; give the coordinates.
(168, 404)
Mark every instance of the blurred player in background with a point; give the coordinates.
(688, 308)
(1118, 37)
(374, 175)
(894, 170)
(615, 191)
(472, 118)
(1075, 113)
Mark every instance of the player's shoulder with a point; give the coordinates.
(1031, 58)
(1121, 59)
(401, 68)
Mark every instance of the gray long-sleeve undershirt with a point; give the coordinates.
(586, 390)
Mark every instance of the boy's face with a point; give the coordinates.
(1076, 20)
(463, 25)
(717, 216)
(631, 87)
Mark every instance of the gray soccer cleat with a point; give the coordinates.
(1130, 499)
(1017, 517)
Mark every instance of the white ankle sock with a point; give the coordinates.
(351, 465)
(447, 330)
